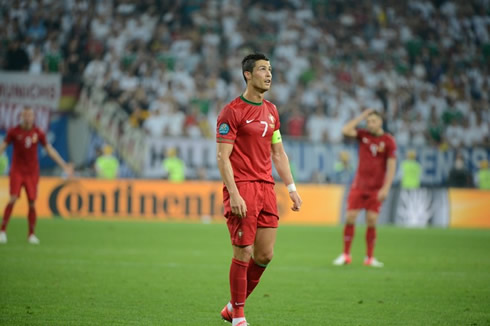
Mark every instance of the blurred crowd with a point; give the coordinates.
(172, 65)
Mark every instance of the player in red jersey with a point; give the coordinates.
(371, 185)
(247, 138)
(24, 171)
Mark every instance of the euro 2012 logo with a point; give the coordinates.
(224, 129)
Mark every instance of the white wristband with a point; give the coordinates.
(291, 187)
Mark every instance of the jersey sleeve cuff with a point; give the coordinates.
(225, 140)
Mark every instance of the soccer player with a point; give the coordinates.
(371, 185)
(247, 138)
(24, 171)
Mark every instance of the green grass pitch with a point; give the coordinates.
(151, 273)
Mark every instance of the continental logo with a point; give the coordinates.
(138, 200)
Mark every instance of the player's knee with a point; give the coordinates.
(264, 258)
(13, 199)
(31, 203)
(371, 223)
(350, 218)
(243, 253)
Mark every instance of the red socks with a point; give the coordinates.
(348, 236)
(254, 272)
(6, 215)
(31, 216)
(370, 240)
(238, 286)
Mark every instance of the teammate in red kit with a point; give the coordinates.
(371, 185)
(248, 137)
(24, 171)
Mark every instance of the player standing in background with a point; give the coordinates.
(372, 183)
(24, 171)
(248, 137)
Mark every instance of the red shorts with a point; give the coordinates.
(363, 199)
(17, 180)
(260, 199)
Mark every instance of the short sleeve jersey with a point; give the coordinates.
(374, 152)
(249, 127)
(24, 158)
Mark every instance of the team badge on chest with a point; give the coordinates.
(273, 120)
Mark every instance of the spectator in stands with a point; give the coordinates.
(459, 176)
(173, 166)
(455, 134)
(343, 169)
(411, 171)
(295, 123)
(107, 165)
(16, 57)
(156, 124)
(317, 125)
(483, 176)
(4, 164)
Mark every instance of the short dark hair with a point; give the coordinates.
(378, 114)
(248, 63)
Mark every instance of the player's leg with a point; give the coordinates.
(242, 233)
(371, 221)
(262, 255)
(354, 205)
(7, 213)
(31, 190)
(348, 235)
(15, 184)
(265, 239)
(238, 280)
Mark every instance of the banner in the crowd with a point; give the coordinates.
(308, 159)
(470, 208)
(161, 200)
(18, 90)
(10, 115)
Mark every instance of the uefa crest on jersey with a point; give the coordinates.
(224, 129)
(365, 140)
(34, 138)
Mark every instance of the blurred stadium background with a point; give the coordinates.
(129, 91)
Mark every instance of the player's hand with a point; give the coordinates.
(296, 201)
(69, 169)
(238, 206)
(383, 194)
(367, 112)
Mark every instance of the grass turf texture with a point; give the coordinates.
(149, 273)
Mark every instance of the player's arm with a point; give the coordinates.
(281, 162)
(390, 176)
(349, 129)
(53, 153)
(238, 206)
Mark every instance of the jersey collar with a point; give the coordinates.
(250, 102)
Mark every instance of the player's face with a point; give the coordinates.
(262, 76)
(374, 124)
(28, 118)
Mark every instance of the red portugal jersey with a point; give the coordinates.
(249, 127)
(374, 152)
(25, 143)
